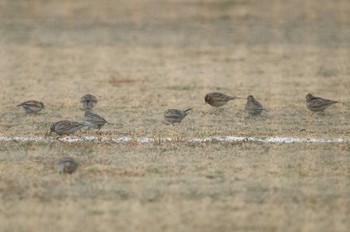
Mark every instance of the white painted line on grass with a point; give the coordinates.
(224, 139)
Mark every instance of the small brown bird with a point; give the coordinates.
(317, 104)
(217, 99)
(253, 107)
(88, 101)
(65, 127)
(67, 165)
(94, 121)
(172, 116)
(32, 106)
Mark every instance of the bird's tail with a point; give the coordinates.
(186, 111)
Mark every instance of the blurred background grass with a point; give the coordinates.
(175, 23)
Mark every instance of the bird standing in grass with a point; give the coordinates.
(317, 104)
(88, 101)
(32, 106)
(253, 107)
(94, 121)
(66, 127)
(217, 99)
(67, 165)
(172, 116)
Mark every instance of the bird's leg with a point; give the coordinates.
(321, 113)
(98, 131)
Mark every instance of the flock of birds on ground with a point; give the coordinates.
(171, 116)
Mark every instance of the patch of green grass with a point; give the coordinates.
(227, 4)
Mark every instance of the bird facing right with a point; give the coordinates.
(94, 121)
(66, 127)
(217, 99)
(32, 106)
(317, 104)
(253, 107)
(67, 165)
(88, 101)
(172, 116)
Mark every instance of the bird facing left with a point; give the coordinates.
(172, 116)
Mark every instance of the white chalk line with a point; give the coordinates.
(224, 139)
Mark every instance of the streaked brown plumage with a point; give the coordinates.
(94, 121)
(217, 99)
(67, 165)
(88, 101)
(66, 127)
(32, 106)
(253, 107)
(172, 116)
(317, 104)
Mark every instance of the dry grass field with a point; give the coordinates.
(142, 57)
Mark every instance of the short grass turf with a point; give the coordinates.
(142, 57)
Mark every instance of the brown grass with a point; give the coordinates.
(115, 82)
(176, 187)
(142, 57)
